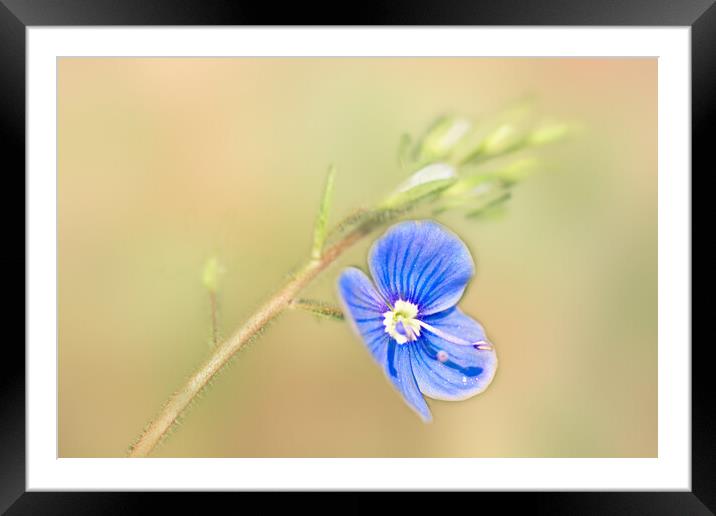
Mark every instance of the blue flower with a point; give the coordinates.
(408, 318)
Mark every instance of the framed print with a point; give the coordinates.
(446, 250)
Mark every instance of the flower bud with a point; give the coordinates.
(210, 275)
(442, 138)
(426, 181)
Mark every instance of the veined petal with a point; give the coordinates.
(399, 369)
(421, 262)
(448, 371)
(364, 308)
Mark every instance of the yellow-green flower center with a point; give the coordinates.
(401, 323)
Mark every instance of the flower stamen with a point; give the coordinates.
(400, 322)
(480, 345)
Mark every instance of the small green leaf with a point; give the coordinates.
(210, 274)
(319, 231)
(502, 139)
(548, 134)
(319, 308)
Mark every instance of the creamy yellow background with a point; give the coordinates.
(164, 162)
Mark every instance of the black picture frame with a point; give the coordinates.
(17, 15)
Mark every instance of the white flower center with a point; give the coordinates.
(400, 322)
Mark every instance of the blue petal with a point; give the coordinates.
(364, 308)
(421, 262)
(465, 372)
(400, 371)
(455, 322)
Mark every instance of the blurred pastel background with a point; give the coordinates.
(165, 162)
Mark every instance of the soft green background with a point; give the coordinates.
(164, 162)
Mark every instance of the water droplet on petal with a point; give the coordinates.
(442, 356)
(464, 379)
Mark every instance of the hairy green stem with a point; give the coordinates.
(221, 355)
